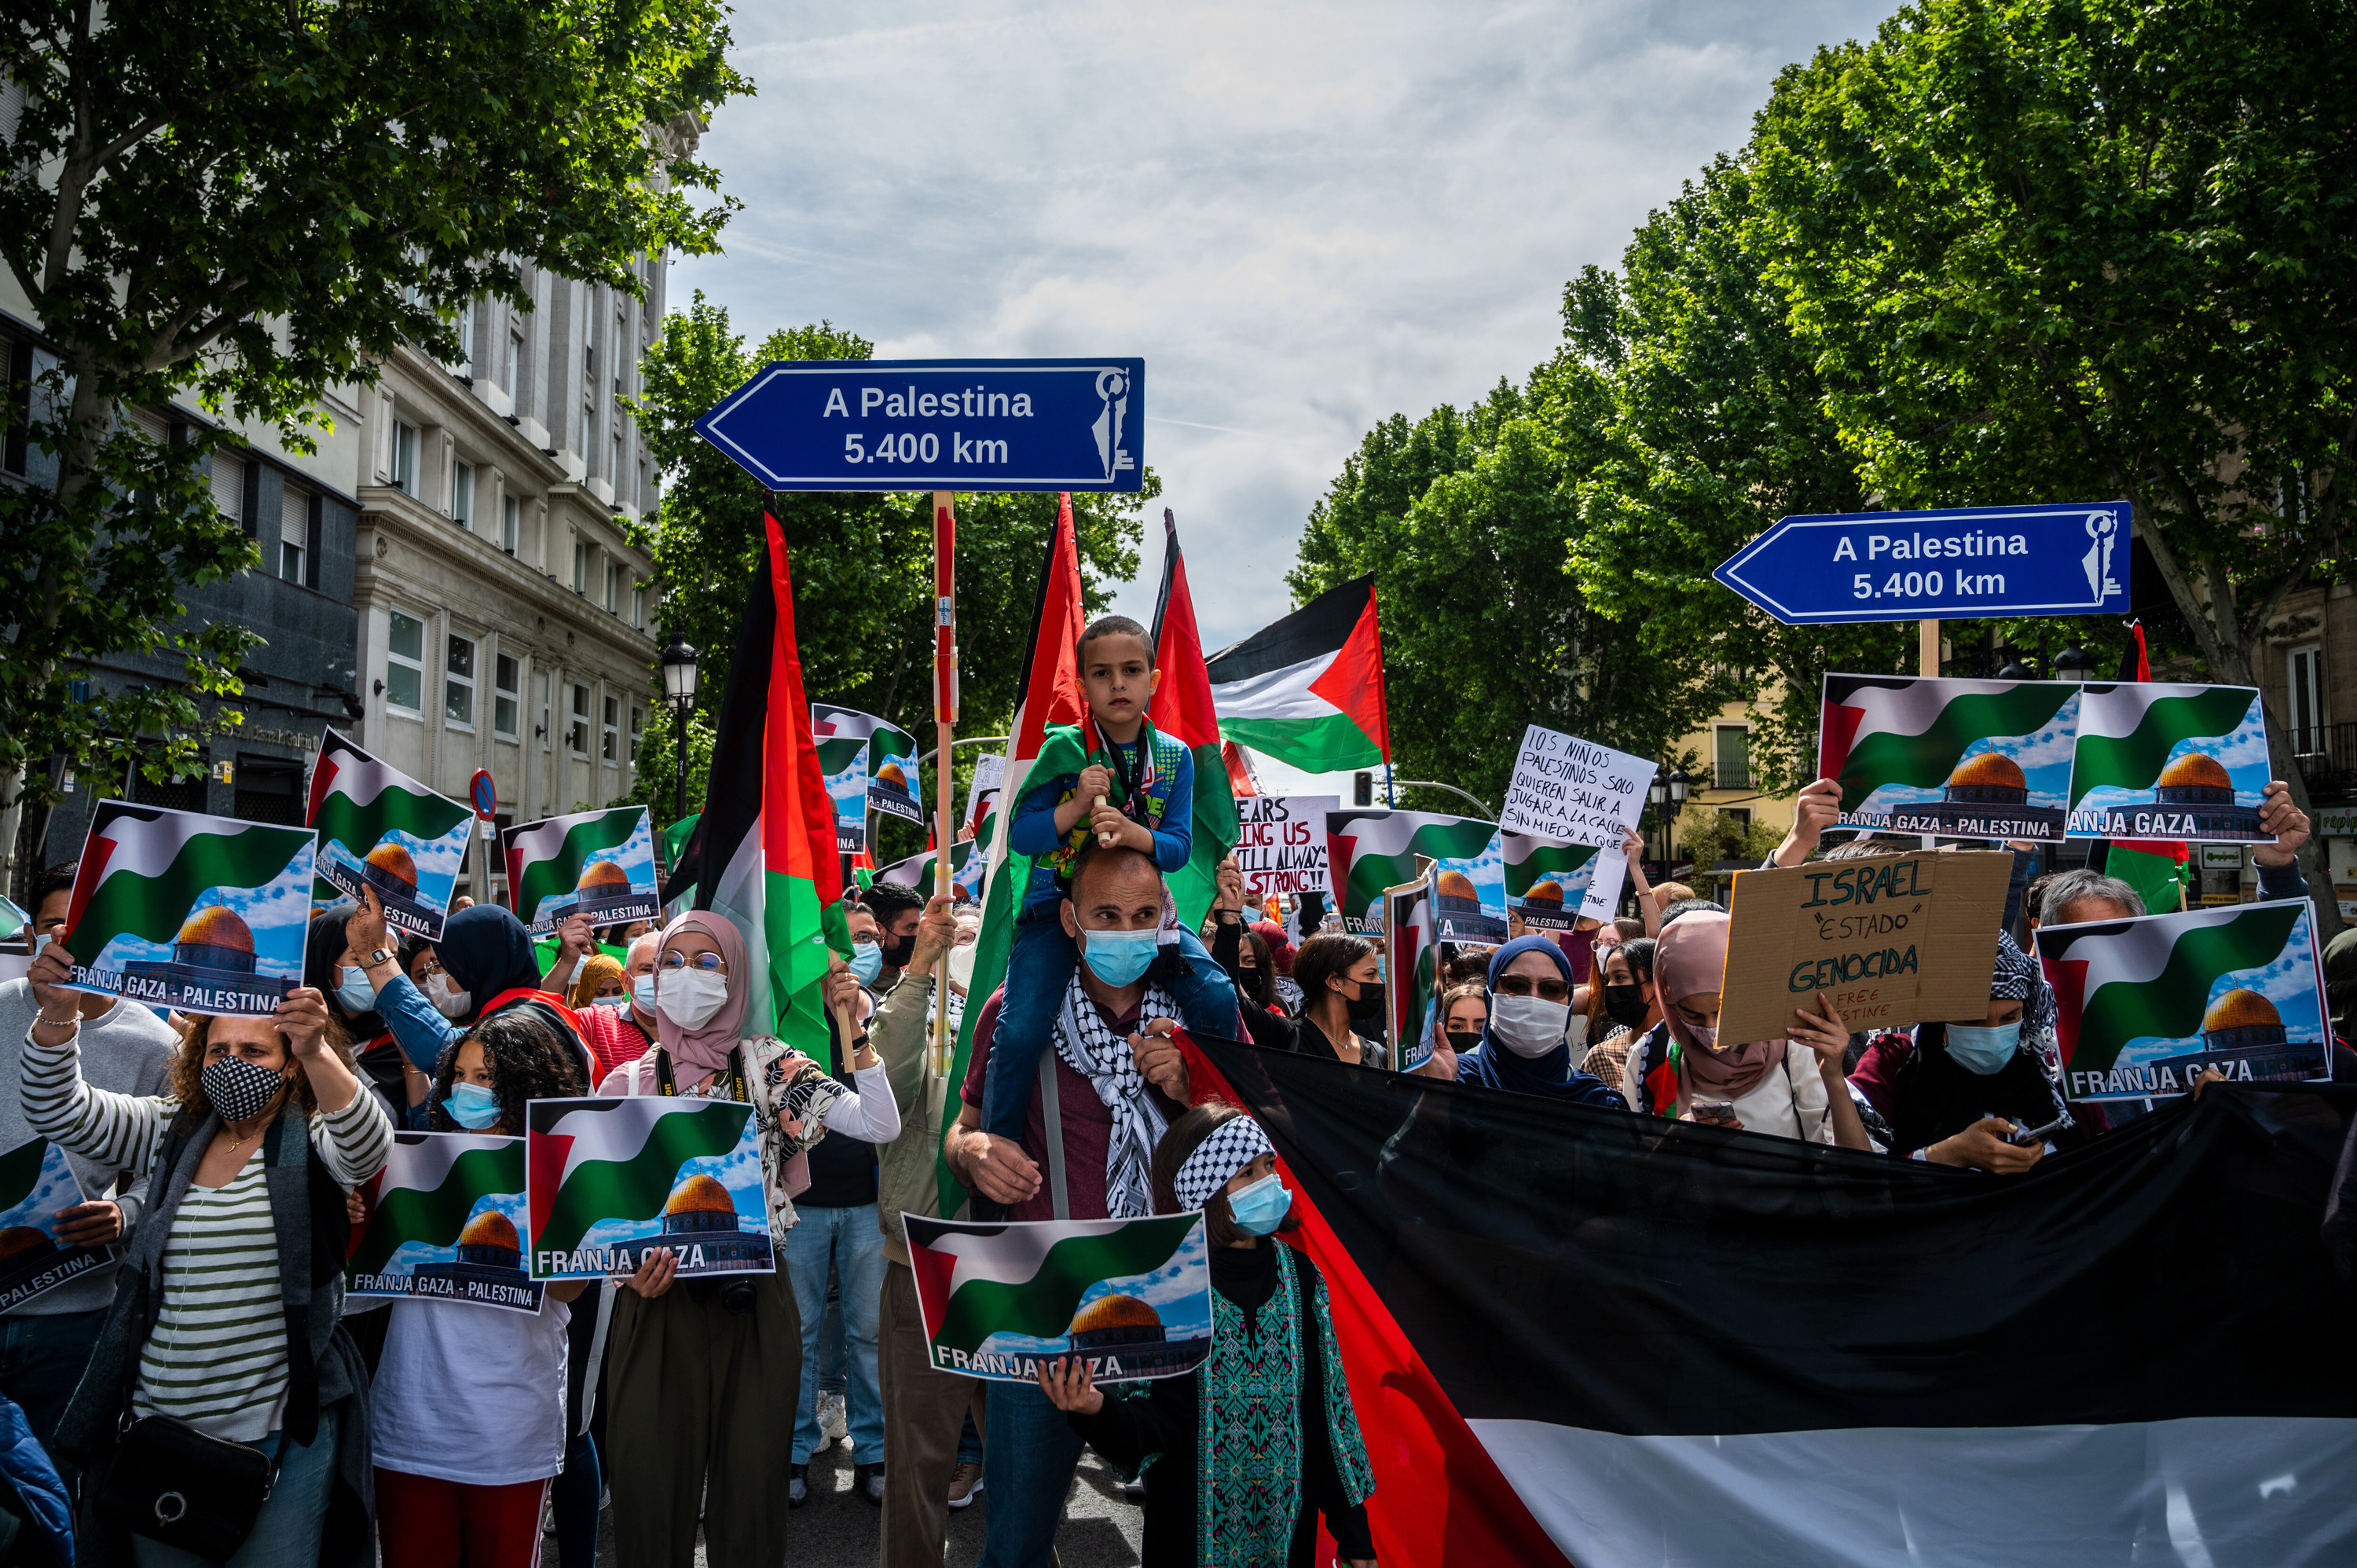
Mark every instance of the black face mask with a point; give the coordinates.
(898, 953)
(1463, 1040)
(1626, 1003)
(1368, 1002)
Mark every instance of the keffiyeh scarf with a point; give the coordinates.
(1105, 1058)
(2017, 977)
(1232, 1145)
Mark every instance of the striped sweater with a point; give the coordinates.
(217, 1358)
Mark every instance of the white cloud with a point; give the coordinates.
(1306, 218)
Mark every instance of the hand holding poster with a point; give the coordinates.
(1569, 788)
(179, 909)
(2142, 1007)
(610, 1178)
(1887, 940)
(1965, 759)
(381, 829)
(1281, 846)
(2175, 762)
(36, 1182)
(598, 864)
(1132, 1296)
(443, 1222)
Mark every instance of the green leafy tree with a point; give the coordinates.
(246, 203)
(2075, 249)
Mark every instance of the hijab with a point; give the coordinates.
(702, 1052)
(323, 974)
(2017, 977)
(1495, 1067)
(485, 952)
(601, 968)
(1280, 951)
(1690, 957)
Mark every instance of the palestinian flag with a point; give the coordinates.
(1181, 708)
(883, 753)
(921, 871)
(623, 1160)
(449, 1194)
(1029, 1279)
(768, 849)
(2160, 870)
(2149, 762)
(1573, 1336)
(1411, 968)
(1244, 782)
(1308, 689)
(381, 824)
(1048, 701)
(2239, 988)
(1913, 731)
(563, 865)
(1368, 851)
(1546, 879)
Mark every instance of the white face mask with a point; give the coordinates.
(1528, 1027)
(579, 964)
(689, 997)
(643, 993)
(448, 999)
(960, 969)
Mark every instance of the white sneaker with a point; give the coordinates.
(832, 1427)
(965, 1484)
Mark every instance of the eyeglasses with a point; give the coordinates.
(710, 963)
(1524, 985)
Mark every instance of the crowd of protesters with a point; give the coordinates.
(425, 1432)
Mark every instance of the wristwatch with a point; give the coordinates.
(381, 955)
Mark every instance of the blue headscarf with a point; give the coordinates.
(1494, 1066)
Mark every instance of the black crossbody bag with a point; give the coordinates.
(180, 1487)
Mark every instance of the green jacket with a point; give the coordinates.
(905, 1176)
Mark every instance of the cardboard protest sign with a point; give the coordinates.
(36, 1182)
(183, 910)
(607, 1178)
(381, 829)
(1604, 883)
(1887, 940)
(1965, 759)
(1368, 851)
(1132, 1296)
(2143, 1006)
(1549, 882)
(1282, 844)
(1568, 789)
(2156, 760)
(443, 1222)
(1412, 966)
(598, 864)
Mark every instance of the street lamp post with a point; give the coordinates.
(1681, 785)
(1659, 794)
(678, 691)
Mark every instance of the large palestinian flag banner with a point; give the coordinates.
(181, 910)
(1183, 708)
(608, 1178)
(34, 1183)
(2143, 1006)
(1368, 851)
(1963, 758)
(1548, 881)
(381, 829)
(1308, 689)
(1575, 1335)
(443, 1222)
(1132, 1296)
(598, 864)
(2156, 760)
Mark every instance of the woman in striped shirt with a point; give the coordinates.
(226, 1315)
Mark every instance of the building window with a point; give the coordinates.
(609, 731)
(404, 457)
(614, 578)
(505, 691)
(638, 727)
(1731, 756)
(229, 484)
(508, 368)
(580, 564)
(589, 339)
(614, 471)
(465, 327)
(459, 684)
(405, 666)
(545, 732)
(639, 609)
(294, 532)
(508, 523)
(576, 733)
(462, 494)
(2307, 680)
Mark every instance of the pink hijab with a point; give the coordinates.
(1689, 957)
(698, 1055)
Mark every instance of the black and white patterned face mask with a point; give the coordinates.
(240, 1090)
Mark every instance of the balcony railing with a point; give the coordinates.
(2328, 759)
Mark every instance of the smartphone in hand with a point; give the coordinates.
(1715, 1112)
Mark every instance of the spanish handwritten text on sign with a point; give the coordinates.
(1569, 788)
(2066, 559)
(1281, 846)
(937, 425)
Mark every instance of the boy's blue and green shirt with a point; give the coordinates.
(1163, 803)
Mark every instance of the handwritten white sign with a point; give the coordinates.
(1281, 842)
(1566, 787)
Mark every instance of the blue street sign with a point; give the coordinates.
(937, 425)
(1959, 565)
(484, 794)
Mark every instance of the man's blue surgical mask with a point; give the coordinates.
(1119, 957)
(866, 962)
(1260, 1207)
(354, 991)
(1984, 1049)
(473, 1107)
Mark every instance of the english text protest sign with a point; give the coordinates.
(1282, 843)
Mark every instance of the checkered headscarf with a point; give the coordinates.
(1233, 1145)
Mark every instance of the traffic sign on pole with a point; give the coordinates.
(1964, 564)
(484, 794)
(937, 425)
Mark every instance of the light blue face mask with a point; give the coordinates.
(866, 962)
(473, 1107)
(1261, 1206)
(1984, 1049)
(1119, 957)
(354, 991)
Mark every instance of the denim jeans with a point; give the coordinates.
(287, 1533)
(1026, 1469)
(41, 1361)
(850, 1240)
(1038, 971)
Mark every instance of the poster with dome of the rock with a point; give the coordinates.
(1983, 759)
(598, 864)
(445, 1222)
(177, 909)
(608, 1179)
(2144, 1007)
(383, 831)
(2160, 761)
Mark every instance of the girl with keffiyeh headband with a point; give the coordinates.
(1242, 1455)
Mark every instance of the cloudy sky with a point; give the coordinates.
(1305, 217)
